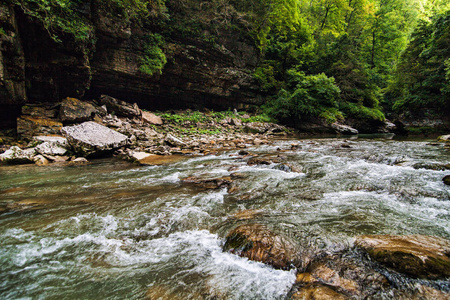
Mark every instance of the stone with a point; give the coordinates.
(41, 160)
(415, 255)
(16, 155)
(150, 118)
(344, 129)
(256, 127)
(80, 160)
(51, 145)
(432, 166)
(173, 141)
(73, 110)
(120, 108)
(235, 122)
(258, 243)
(90, 138)
(140, 155)
(322, 274)
(208, 183)
(446, 180)
(318, 292)
(444, 138)
(158, 160)
(28, 126)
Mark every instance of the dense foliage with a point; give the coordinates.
(330, 59)
(423, 78)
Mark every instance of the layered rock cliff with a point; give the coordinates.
(199, 72)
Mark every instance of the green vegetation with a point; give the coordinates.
(154, 58)
(422, 84)
(326, 59)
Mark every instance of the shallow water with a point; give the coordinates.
(116, 230)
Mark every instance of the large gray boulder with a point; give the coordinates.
(90, 138)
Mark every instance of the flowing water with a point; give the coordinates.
(114, 230)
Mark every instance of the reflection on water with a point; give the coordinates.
(116, 230)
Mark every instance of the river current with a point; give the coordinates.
(115, 230)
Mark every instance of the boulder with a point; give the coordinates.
(258, 243)
(90, 138)
(74, 111)
(16, 155)
(173, 141)
(446, 180)
(415, 255)
(150, 118)
(444, 138)
(344, 129)
(209, 183)
(49, 148)
(51, 145)
(120, 108)
(40, 160)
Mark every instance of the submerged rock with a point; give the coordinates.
(415, 255)
(318, 292)
(90, 138)
(209, 183)
(446, 180)
(258, 243)
(432, 166)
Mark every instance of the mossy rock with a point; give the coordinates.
(415, 255)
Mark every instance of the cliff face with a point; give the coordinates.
(198, 73)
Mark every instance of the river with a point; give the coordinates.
(115, 230)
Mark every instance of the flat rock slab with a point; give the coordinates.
(157, 160)
(415, 255)
(90, 138)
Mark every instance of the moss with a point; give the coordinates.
(154, 58)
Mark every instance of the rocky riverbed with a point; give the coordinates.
(76, 129)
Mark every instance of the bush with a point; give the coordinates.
(312, 95)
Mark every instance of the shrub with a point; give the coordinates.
(311, 95)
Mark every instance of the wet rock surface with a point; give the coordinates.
(416, 255)
(257, 242)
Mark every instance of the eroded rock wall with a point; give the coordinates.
(199, 73)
